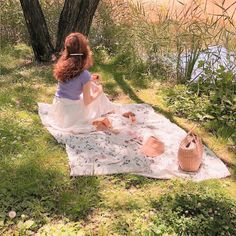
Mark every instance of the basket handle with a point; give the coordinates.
(197, 140)
(191, 130)
(198, 144)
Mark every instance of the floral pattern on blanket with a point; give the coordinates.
(100, 153)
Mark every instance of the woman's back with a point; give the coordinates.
(73, 88)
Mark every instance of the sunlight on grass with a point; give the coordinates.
(34, 167)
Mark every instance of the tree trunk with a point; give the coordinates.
(85, 17)
(68, 16)
(76, 16)
(37, 27)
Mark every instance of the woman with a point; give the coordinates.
(79, 98)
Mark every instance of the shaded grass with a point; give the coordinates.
(34, 168)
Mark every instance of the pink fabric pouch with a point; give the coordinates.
(102, 123)
(153, 147)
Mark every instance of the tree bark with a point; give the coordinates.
(85, 17)
(68, 16)
(37, 27)
(76, 16)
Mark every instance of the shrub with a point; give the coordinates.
(211, 100)
(194, 212)
(12, 24)
(186, 103)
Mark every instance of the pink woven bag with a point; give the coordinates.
(190, 152)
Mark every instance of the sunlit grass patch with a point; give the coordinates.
(122, 200)
(62, 227)
(35, 173)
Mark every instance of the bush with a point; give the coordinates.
(185, 103)
(12, 24)
(211, 100)
(194, 212)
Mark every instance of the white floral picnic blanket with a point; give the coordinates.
(103, 153)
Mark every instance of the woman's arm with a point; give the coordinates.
(89, 97)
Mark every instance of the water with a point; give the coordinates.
(214, 57)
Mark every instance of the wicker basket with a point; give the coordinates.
(190, 152)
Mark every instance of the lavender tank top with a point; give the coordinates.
(73, 88)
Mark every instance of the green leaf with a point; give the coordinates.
(207, 116)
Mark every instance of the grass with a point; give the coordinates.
(34, 170)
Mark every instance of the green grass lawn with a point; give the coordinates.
(34, 170)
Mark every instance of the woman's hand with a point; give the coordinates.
(96, 78)
(91, 91)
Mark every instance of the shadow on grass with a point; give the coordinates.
(38, 70)
(111, 88)
(34, 176)
(33, 181)
(21, 97)
(5, 71)
(118, 77)
(32, 189)
(45, 73)
(132, 180)
(22, 91)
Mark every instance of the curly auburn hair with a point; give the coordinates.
(68, 66)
